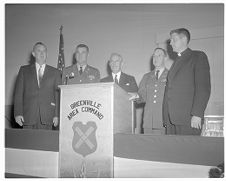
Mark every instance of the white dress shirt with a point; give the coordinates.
(83, 67)
(118, 76)
(37, 70)
(160, 71)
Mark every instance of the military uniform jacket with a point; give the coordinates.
(71, 75)
(126, 82)
(35, 102)
(151, 91)
(188, 88)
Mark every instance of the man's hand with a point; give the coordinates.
(133, 96)
(196, 122)
(55, 121)
(19, 120)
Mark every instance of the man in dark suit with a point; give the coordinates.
(125, 81)
(188, 87)
(80, 72)
(36, 96)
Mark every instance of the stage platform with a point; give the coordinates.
(35, 153)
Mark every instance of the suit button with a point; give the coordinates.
(154, 95)
(154, 101)
(156, 85)
(155, 90)
(80, 80)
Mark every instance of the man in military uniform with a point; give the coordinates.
(151, 92)
(125, 81)
(80, 72)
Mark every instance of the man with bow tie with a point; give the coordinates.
(151, 92)
(80, 72)
(36, 97)
(125, 81)
(188, 87)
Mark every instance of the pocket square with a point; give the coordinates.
(53, 104)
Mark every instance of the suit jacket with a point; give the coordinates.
(151, 91)
(126, 82)
(71, 75)
(34, 102)
(188, 88)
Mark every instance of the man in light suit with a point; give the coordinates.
(188, 87)
(125, 81)
(80, 72)
(36, 98)
(151, 92)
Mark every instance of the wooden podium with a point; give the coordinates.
(89, 116)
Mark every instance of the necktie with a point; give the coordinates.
(80, 71)
(157, 74)
(116, 79)
(40, 75)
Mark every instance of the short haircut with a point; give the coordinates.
(164, 51)
(183, 31)
(116, 54)
(39, 43)
(83, 46)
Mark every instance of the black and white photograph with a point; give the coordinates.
(113, 90)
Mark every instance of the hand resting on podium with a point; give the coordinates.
(133, 95)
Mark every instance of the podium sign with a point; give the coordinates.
(87, 114)
(86, 131)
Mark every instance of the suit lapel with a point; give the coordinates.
(152, 75)
(163, 75)
(34, 74)
(85, 72)
(110, 78)
(45, 73)
(122, 78)
(181, 61)
(75, 70)
(87, 69)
